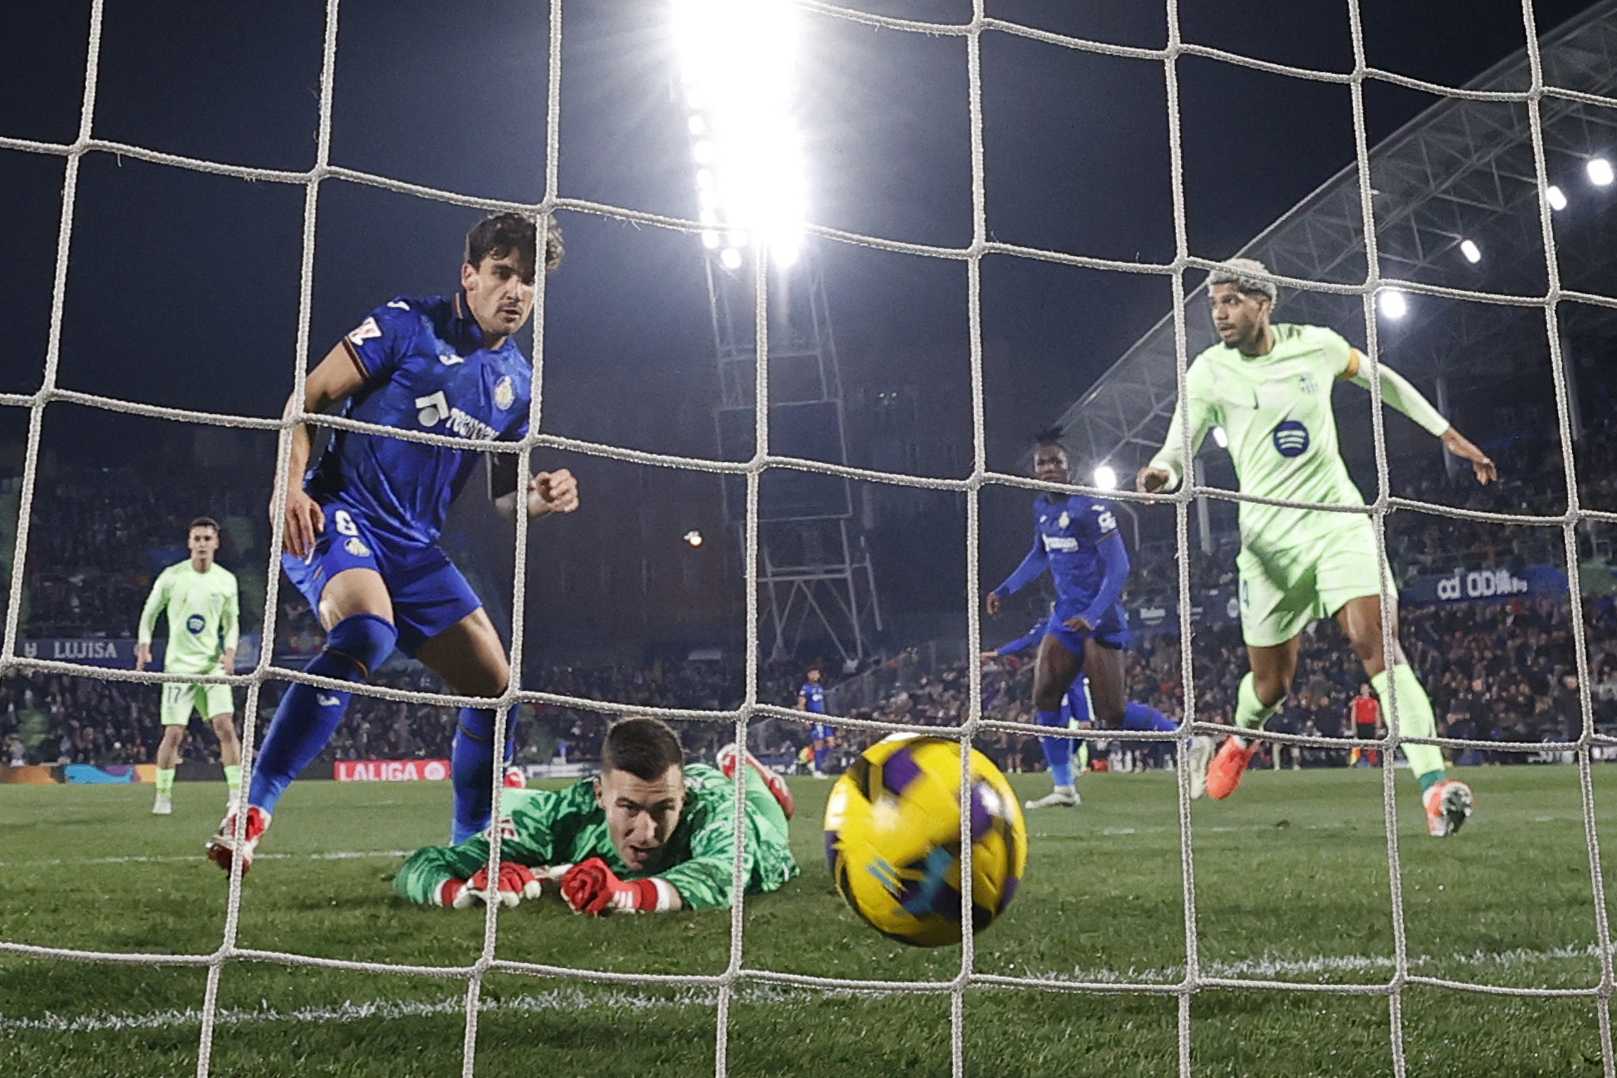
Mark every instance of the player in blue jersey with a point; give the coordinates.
(1059, 752)
(1076, 539)
(822, 735)
(362, 524)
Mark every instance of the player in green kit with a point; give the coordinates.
(1269, 387)
(204, 617)
(648, 835)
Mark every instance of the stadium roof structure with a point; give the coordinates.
(1462, 170)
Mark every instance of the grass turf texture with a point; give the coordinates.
(1292, 885)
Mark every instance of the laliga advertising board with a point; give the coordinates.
(391, 770)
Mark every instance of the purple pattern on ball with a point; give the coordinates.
(1008, 892)
(831, 849)
(899, 770)
(981, 818)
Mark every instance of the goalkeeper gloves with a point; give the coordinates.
(591, 887)
(516, 882)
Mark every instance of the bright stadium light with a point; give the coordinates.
(1600, 172)
(1220, 438)
(693, 538)
(1555, 197)
(1472, 252)
(1392, 303)
(739, 60)
(1105, 477)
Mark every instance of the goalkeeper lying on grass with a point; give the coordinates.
(648, 834)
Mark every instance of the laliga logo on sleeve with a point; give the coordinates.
(365, 331)
(1291, 438)
(195, 624)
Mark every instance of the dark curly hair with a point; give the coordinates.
(498, 234)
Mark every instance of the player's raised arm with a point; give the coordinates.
(1397, 391)
(334, 380)
(1167, 467)
(1036, 562)
(548, 492)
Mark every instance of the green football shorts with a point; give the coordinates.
(180, 698)
(1283, 590)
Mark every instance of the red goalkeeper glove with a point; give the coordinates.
(516, 882)
(591, 887)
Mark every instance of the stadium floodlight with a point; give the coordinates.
(1105, 477)
(1221, 439)
(693, 538)
(738, 61)
(1555, 197)
(1600, 172)
(1392, 303)
(1472, 252)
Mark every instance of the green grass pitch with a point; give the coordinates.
(1292, 885)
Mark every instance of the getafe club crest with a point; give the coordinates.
(504, 394)
(1064, 519)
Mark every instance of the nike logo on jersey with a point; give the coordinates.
(451, 360)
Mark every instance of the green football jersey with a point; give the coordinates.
(1276, 412)
(204, 617)
(561, 827)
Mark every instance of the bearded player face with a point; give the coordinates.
(1239, 317)
(500, 293)
(640, 813)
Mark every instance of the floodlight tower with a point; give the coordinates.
(814, 573)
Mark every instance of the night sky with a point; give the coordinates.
(183, 288)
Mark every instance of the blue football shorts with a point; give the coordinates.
(1112, 632)
(429, 594)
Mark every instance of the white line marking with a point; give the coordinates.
(573, 999)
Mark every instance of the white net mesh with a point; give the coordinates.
(724, 985)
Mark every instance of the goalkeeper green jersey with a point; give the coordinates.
(1276, 412)
(561, 827)
(204, 617)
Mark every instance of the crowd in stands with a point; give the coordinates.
(1500, 672)
(91, 529)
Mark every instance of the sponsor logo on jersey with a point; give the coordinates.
(357, 548)
(1291, 439)
(195, 624)
(504, 394)
(1306, 383)
(1060, 542)
(435, 409)
(365, 331)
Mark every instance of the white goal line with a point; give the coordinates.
(569, 1000)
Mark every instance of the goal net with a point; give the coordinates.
(1197, 988)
